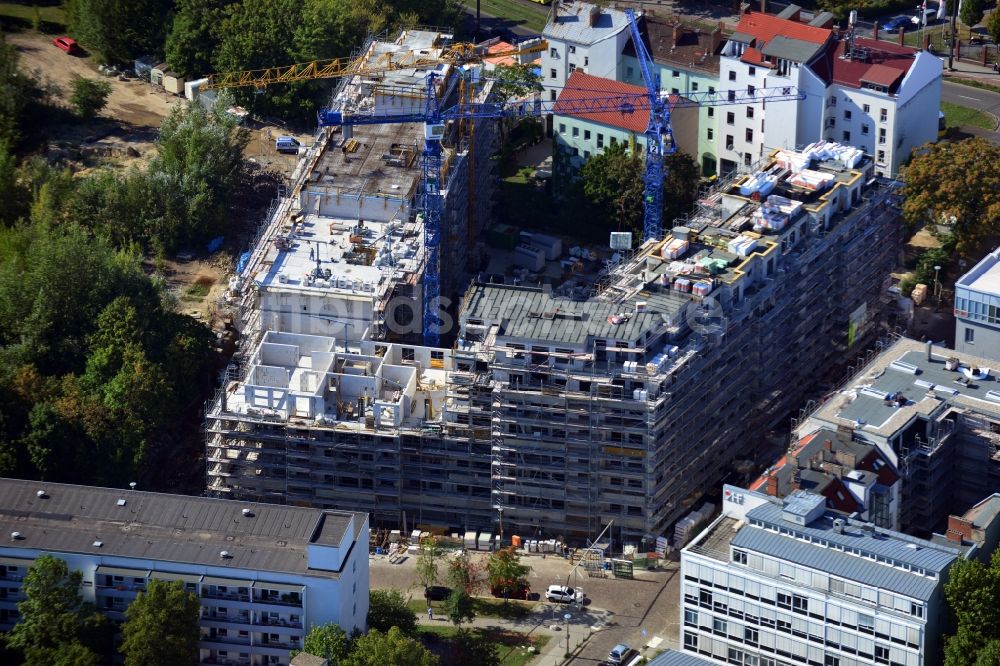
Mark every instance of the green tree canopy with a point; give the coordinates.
(119, 30)
(459, 607)
(194, 35)
(947, 186)
(392, 647)
(973, 593)
(468, 647)
(513, 81)
(162, 626)
(17, 92)
(993, 26)
(428, 560)
(971, 12)
(88, 96)
(387, 609)
(464, 573)
(56, 625)
(505, 572)
(328, 641)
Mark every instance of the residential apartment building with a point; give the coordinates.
(875, 95)
(581, 37)
(560, 410)
(577, 136)
(855, 477)
(687, 61)
(934, 414)
(265, 574)
(786, 582)
(977, 309)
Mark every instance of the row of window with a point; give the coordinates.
(974, 309)
(699, 643)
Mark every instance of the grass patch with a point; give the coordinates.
(12, 14)
(511, 645)
(974, 83)
(531, 17)
(197, 291)
(957, 115)
(483, 606)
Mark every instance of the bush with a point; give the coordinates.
(88, 96)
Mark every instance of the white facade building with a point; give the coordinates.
(584, 37)
(877, 96)
(774, 582)
(266, 574)
(977, 309)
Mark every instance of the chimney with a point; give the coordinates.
(595, 11)
(828, 445)
(763, 6)
(875, 31)
(959, 529)
(794, 482)
(772, 485)
(678, 34)
(930, 346)
(716, 39)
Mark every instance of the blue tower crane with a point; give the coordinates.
(658, 136)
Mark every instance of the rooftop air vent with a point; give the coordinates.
(121, 501)
(15, 536)
(98, 543)
(838, 526)
(41, 494)
(248, 513)
(224, 554)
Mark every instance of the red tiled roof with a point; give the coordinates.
(885, 65)
(754, 57)
(584, 86)
(500, 47)
(766, 27)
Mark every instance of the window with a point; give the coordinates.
(729, 142)
(740, 556)
(437, 355)
(883, 115)
(711, 112)
(554, 53)
(586, 154)
(867, 108)
(847, 114)
(586, 135)
(576, 131)
(675, 74)
(881, 157)
(864, 129)
(572, 67)
(749, 135)
(552, 73)
(730, 118)
(752, 71)
(711, 90)
(586, 60)
(705, 597)
(408, 354)
(917, 610)
(750, 635)
(746, 159)
(614, 140)
(881, 135)
(800, 603)
(629, 72)
(718, 626)
(732, 75)
(832, 101)
(749, 112)
(881, 654)
(690, 617)
(576, 152)
(830, 660)
(690, 640)
(694, 86)
(751, 90)
(970, 338)
(847, 136)
(562, 128)
(866, 622)
(600, 140)
(675, 91)
(784, 600)
(710, 134)
(552, 95)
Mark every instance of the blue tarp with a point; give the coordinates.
(215, 244)
(242, 263)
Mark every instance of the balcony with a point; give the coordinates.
(206, 641)
(224, 661)
(286, 599)
(270, 622)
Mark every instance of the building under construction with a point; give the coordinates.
(558, 410)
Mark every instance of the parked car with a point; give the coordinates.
(287, 144)
(521, 592)
(620, 654)
(563, 594)
(929, 15)
(895, 23)
(437, 593)
(67, 44)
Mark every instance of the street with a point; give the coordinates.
(975, 98)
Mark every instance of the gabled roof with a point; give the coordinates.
(754, 57)
(571, 22)
(879, 62)
(694, 48)
(765, 27)
(584, 86)
(500, 47)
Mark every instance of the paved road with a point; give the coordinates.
(984, 100)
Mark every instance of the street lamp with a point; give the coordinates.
(937, 284)
(567, 617)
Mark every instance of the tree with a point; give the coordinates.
(459, 607)
(392, 647)
(469, 647)
(464, 573)
(56, 625)
(971, 12)
(506, 573)
(513, 81)
(427, 561)
(993, 26)
(194, 35)
(680, 186)
(613, 180)
(162, 626)
(17, 92)
(88, 96)
(119, 30)
(947, 185)
(328, 641)
(973, 593)
(387, 609)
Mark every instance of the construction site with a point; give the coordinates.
(548, 410)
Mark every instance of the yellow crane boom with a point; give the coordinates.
(455, 54)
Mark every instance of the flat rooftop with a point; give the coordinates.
(382, 160)
(916, 386)
(169, 528)
(984, 276)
